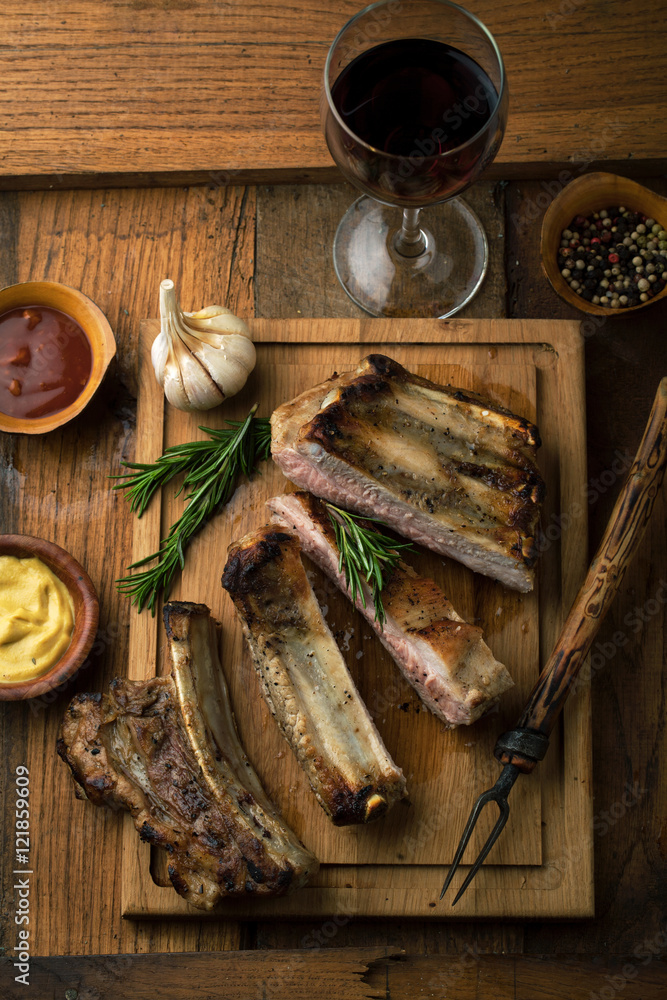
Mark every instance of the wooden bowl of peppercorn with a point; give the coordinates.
(625, 261)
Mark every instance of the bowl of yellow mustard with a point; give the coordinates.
(49, 613)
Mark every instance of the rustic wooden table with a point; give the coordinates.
(266, 251)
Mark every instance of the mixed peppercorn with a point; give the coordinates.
(615, 257)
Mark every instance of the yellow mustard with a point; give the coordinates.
(36, 619)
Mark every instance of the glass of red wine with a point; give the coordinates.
(414, 107)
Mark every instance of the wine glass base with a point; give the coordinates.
(437, 283)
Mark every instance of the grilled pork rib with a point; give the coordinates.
(305, 680)
(441, 466)
(167, 750)
(445, 660)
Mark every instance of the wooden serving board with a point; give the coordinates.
(395, 867)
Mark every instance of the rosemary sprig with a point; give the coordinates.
(364, 553)
(212, 469)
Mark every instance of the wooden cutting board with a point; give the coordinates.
(397, 865)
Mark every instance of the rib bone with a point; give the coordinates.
(167, 750)
(305, 680)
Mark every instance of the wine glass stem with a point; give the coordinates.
(410, 241)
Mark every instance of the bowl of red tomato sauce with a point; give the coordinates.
(55, 347)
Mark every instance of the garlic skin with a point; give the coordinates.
(200, 358)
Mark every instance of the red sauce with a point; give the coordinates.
(45, 361)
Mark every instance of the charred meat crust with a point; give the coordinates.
(337, 431)
(305, 682)
(240, 573)
(136, 748)
(442, 466)
(182, 609)
(379, 364)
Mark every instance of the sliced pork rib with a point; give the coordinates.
(441, 466)
(445, 660)
(167, 750)
(305, 680)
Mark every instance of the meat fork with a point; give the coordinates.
(520, 749)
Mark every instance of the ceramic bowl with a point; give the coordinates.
(86, 613)
(590, 193)
(91, 320)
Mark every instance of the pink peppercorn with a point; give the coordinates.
(613, 258)
(595, 240)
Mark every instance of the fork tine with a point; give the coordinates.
(497, 794)
(467, 833)
(493, 836)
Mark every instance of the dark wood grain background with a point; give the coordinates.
(266, 251)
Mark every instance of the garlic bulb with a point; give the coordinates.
(200, 358)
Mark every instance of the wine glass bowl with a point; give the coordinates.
(414, 107)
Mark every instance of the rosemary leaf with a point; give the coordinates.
(211, 471)
(365, 554)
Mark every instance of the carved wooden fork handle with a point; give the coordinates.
(528, 743)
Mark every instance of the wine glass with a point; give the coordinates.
(414, 107)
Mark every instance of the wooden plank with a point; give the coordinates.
(115, 246)
(296, 226)
(346, 974)
(205, 91)
(625, 358)
(470, 976)
(495, 355)
(231, 975)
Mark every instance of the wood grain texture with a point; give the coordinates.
(232, 88)
(115, 246)
(346, 974)
(296, 226)
(627, 524)
(470, 976)
(625, 359)
(231, 975)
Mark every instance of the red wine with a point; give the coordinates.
(414, 98)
